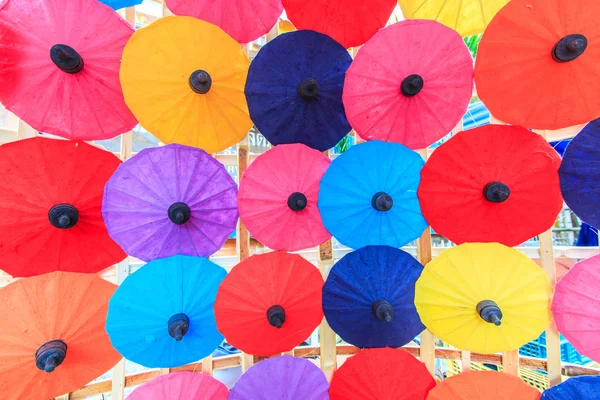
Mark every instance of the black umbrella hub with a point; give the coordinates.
(569, 48)
(63, 216)
(382, 201)
(276, 316)
(179, 213)
(383, 310)
(297, 201)
(308, 89)
(66, 58)
(496, 192)
(412, 85)
(178, 326)
(489, 311)
(200, 81)
(50, 355)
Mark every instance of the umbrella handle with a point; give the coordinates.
(569, 48)
(200, 81)
(297, 201)
(383, 310)
(382, 202)
(412, 85)
(179, 213)
(66, 58)
(63, 216)
(178, 326)
(50, 355)
(308, 89)
(489, 311)
(276, 316)
(496, 192)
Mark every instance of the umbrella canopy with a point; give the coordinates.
(467, 17)
(52, 338)
(297, 98)
(410, 84)
(368, 196)
(381, 374)
(483, 385)
(576, 306)
(580, 388)
(184, 78)
(269, 303)
(244, 21)
(162, 315)
(282, 377)
(59, 70)
(118, 4)
(278, 197)
(477, 184)
(484, 297)
(537, 63)
(369, 297)
(183, 386)
(579, 174)
(170, 200)
(50, 203)
(349, 22)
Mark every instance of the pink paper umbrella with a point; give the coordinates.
(59, 67)
(279, 194)
(410, 84)
(181, 386)
(576, 307)
(243, 20)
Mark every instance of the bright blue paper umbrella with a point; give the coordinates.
(369, 297)
(118, 4)
(294, 90)
(162, 315)
(581, 388)
(368, 196)
(580, 173)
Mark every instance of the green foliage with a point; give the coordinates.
(343, 144)
(472, 43)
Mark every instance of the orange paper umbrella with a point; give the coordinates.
(537, 64)
(52, 337)
(269, 303)
(483, 385)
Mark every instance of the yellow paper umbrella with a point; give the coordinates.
(484, 297)
(184, 80)
(467, 17)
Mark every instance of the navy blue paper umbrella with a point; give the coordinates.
(369, 297)
(580, 173)
(294, 90)
(368, 196)
(118, 4)
(581, 388)
(162, 315)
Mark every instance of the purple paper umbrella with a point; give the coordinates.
(170, 200)
(282, 378)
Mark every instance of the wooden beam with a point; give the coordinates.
(327, 343)
(510, 362)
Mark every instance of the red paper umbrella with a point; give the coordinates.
(478, 183)
(278, 198)
(350, 22)
(381, 374)
(269, 303)
(59, 67)
(50, 204)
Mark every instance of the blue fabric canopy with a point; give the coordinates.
(580, 172)
(364, 288)
(149, 310)
(294, 90)
(118, 4)
(368, 196)
(581, 388)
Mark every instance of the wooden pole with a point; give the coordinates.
(118, 372)
(327, 341)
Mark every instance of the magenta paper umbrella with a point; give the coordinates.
(576, 307)
(59, 67)
(183, 386)
(279, 194)
(410, 84)
(283, 377)
(170, 200)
